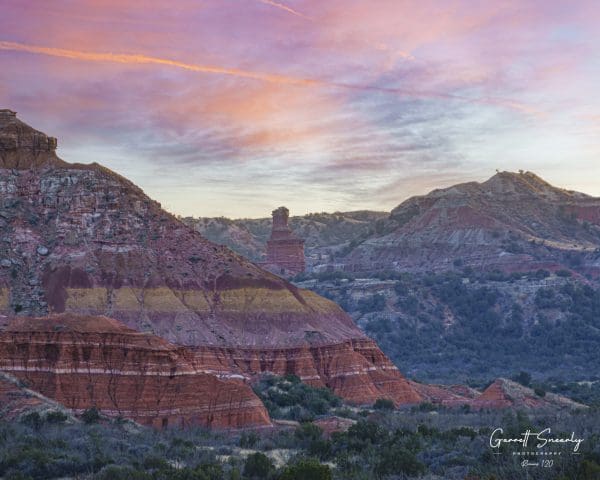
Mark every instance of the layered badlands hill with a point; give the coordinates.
(81, 239)
(85, 361)
(513, 221)
(501, 393)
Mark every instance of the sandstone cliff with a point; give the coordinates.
(86, 361)
(82, 239)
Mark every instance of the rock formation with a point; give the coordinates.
(23, 147)
(501, 393)
(82, 239)
(84, 361)
(285, 251)
(511, 222)
(323, 233)
(447, 395)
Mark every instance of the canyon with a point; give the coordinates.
(83, 240)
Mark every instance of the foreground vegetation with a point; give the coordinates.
(381, 443)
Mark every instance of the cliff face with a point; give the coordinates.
(84, 361)
(355, 370)
(82, 239)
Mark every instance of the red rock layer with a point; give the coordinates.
(16, 400)
(96, 361)
(356, 370)
(502, 393)
(446, 395)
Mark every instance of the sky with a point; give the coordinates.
(235, 107)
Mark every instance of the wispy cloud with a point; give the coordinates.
(149, 60)
(281, 6)
(265, 77)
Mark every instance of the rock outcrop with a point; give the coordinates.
(503, 393)
(22, 147)
(324, 234)
(500, 394)
(285, 251)
(87, 361)
(82, 239)
(446, 395)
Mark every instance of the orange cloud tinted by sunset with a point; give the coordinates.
(266, 77)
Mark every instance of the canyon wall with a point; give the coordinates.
(85, 361)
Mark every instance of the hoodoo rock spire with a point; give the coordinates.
(285, 251)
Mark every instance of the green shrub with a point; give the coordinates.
(375, 303)
(90, 415)
(306, 469)
(394, 461)
(523, 378)
(249, 439)
(539, 391)
(258, 466)
(56, 417)
(383, 404)
(564, 273)
(33, 419)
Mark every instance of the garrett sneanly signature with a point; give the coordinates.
(541, 438)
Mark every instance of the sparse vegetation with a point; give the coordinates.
(388, 444)
(289, 398)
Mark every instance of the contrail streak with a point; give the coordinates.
(144, 59)
(260, 76)
(284, 7)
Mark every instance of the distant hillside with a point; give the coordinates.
(325, 234)
(513, 221)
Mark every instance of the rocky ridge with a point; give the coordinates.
(513, 221)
